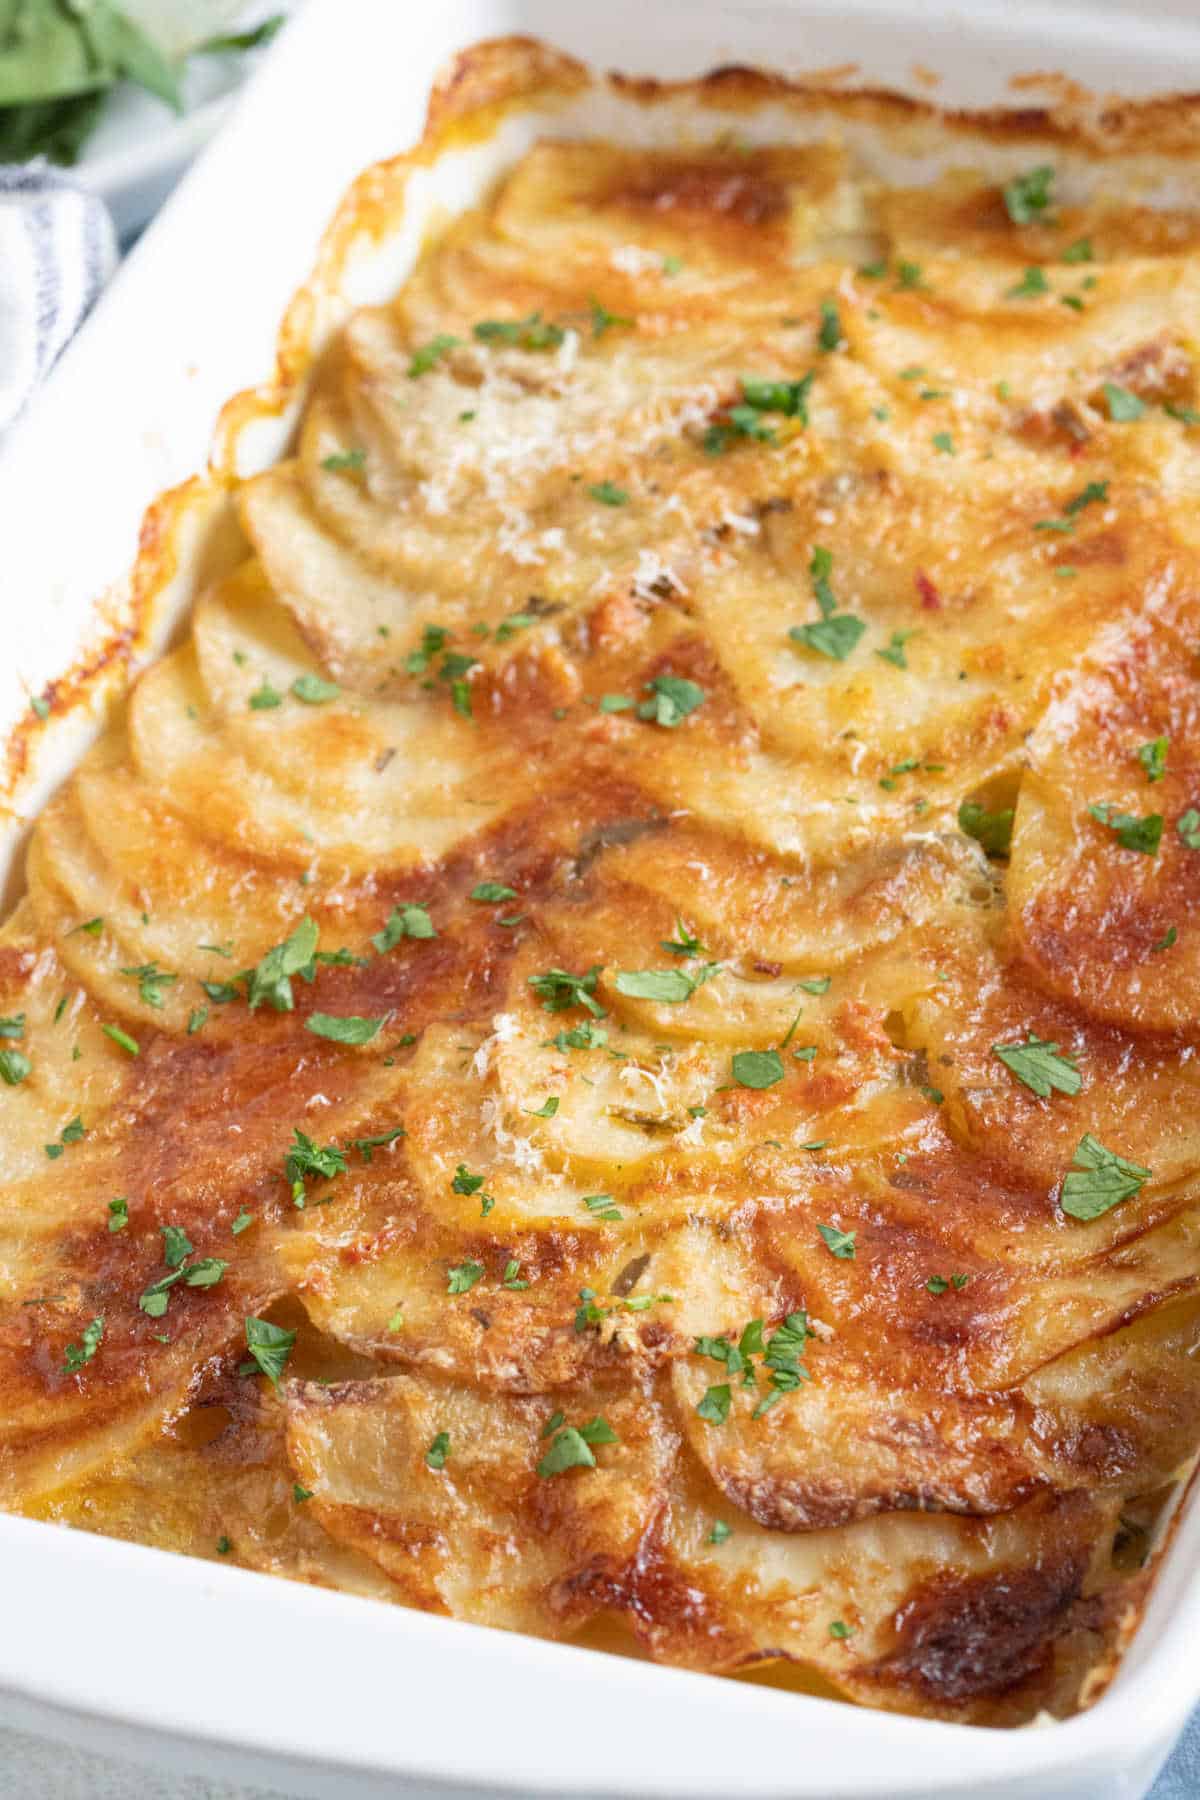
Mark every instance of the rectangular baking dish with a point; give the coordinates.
(220, 1669)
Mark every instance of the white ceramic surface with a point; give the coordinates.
(223, 1671)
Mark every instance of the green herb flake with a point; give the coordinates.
(438, 1451)
(307, 1160)
(829, 333)
(894, 651)
(1123, 406)
(118, 1213)
(427, 356)
(462, 1278)
(269, 1346)
(840, 1630)
(269, 983)
(674, 698)
(1131, 832)
(492, 892)
(343, 1028)
(1028, 197)
(841, 1243)
(1032, 283)
(122, 1038)
(714, 1407)
(609, 494)
(314, 691)
(411, 921)
(757, 1068)
(1153, 757)
(14, 1067)
(1098, 1180)
(264, 698)
(993, 830)
(558, 989)
(1039, 1065)
(343, 460)
(78, 1354)
(1188, 828)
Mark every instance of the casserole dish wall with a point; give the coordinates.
(186, 538)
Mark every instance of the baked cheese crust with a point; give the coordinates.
(611, 1038)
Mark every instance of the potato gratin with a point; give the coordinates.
(610, 1041)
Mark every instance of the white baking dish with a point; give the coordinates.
(317, 1693)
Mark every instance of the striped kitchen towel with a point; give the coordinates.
(57, 250)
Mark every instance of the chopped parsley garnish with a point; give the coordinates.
(463, 1277)
(343, 1028)
(815, 984)
(894, 652)
(1123, 406)
(581, 1037)
(301, 1494)
(908, 274)
(674, 697)
(306, 1160)
(547, 1109)
(829, 333)
(572, 1448)
(684, 943)
(714, 1407)
(943, 442)
(1169, 938)
(1040, 1066)
(1092, 495)
(665, 985)
(532, 333)
(841, 1243)
(937, 1284)
(1079, 252)
(40, 706)
(781, 1354)
(151, 981)
(1098, 1180)
(1188, 827)
(367, 1146)
(840, 1630)
(269, 1346)
(1033, 282)
(197, 1019)
(269, 982)
(344, 459)
(787, 397)
(265, 698)
(1153, 757)
(601, 1207)
(1028, 197)
(118, 1213)
(240, 1224)
(720, 1531)
(315, 691)
(464, 1182)
(558, 989)
(177, 1246)
(1132, 833)
(492, 892)
(14, 1067)
(602, 319)
(608, 493)
(438, 1451)
(13, 1026)
(404, 921)
(834, 634)
(512, 1277)
(122, 1038)
(757, 1068)
(82, 1352)
(991, 829)
(428, 356)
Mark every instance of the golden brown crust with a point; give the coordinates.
(522, 694)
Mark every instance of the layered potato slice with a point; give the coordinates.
(609, 1042)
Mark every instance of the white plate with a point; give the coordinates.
(236, 1674)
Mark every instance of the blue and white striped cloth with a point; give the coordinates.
(57, 250)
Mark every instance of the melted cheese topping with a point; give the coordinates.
(664, 588)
